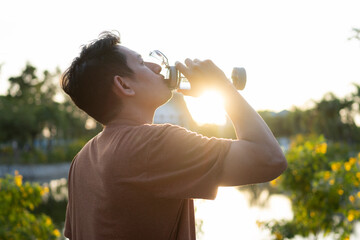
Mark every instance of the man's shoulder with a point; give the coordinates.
(143, 133)
(163, 127)
(154, 128)
(167, 129)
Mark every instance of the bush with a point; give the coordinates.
(57, 154)
(33, 156)
(74, 147)
(322, 181)
(17, 200)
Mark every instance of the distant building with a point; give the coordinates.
(175, 112)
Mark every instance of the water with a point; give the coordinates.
(231, 217)
(37, 172)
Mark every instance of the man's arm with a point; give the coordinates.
(256, 155)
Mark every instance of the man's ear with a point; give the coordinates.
(122, 86)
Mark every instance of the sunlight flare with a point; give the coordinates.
(207, 109)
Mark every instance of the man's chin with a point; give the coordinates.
(168, 98)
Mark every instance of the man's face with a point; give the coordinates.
(150, 87)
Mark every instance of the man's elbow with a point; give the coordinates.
(278, 163)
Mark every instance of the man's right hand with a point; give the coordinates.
(201, 75)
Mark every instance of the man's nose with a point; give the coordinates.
(156, 68)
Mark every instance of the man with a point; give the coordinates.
(135, 179)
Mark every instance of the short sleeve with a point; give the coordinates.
(67, 230)
(184, 164)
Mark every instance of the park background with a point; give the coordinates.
(302, 60)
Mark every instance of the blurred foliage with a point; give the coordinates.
(17, 200)
(332, 117)
(356, 34)
(322, 182)
(32, 122)
(54, 203)
(57, 153)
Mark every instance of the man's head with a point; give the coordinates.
(105, 74)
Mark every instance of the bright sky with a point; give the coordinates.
(293, 51)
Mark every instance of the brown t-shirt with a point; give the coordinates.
(138, 181)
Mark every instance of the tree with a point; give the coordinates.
(28, 106)
(332, 117)
(334, 120)
(29, 114)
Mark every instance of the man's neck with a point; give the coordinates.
(134, 116)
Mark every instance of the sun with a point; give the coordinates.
(207, 109)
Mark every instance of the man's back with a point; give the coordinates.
(136, 182)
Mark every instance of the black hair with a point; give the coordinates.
(89, 79)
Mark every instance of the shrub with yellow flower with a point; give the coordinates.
(358, 175)
(350, 217)
(17, 221)
(321, 148)
(56, 233)
(18, 179)
(347, 166)
(279, 236)
(324, 188)
(327, 175)
(352, 160)
(335, 166)
(340, 192)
